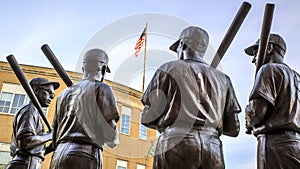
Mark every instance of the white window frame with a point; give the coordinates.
(126, 112)
(121, 164)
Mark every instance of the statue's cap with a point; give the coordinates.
(273, 38)
(95, 56)
(194, 37)
(42, 81)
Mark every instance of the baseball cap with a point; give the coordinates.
(42, 81)
(273, 38)
(194, 37)
(95, 56)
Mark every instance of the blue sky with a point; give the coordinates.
(70, 27)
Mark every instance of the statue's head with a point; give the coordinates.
(274, 39)
(194, 38)
(44, 90)
(95, 60)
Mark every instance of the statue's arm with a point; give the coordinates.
(28, 141)
(155, 100)
(256, 111)
(231, 125)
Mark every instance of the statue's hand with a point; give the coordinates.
(49, 149)
(248, 111)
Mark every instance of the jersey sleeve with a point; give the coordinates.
(232, 104)
(267, 84)
(25, 123)
(107, 103)
(155, 99)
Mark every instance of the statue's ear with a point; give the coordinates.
(270, 48)
(35, 89)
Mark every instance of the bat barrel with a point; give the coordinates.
(56, 64)
(231, 32)
(264, 36)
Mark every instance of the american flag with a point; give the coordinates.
(140, 43)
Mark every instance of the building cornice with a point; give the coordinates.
(50, 72)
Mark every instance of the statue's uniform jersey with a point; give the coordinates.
(82, 123)
(188, 92)
(27, 122)
(187, 101)
(279, 86)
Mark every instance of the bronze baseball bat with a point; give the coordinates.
(22, 79)
(264, 35)
(231, 32)
(263, 41)
(56, 64)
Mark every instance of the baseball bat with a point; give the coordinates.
(56, 64)
(231, 32)
(263, 42)
(22, 79)
(264, 35)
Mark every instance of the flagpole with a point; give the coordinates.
(144, 68)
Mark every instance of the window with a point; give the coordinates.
(18, 101)
(4, 154)
(143, 131)
(121, 164)
(125, 120)
(12, 98)
(140, 166)
(125, 126)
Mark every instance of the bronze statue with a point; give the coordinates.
(273, 110)
(28, 137)
(191, 104)
(85, 117)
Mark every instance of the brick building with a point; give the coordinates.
(137, 143)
